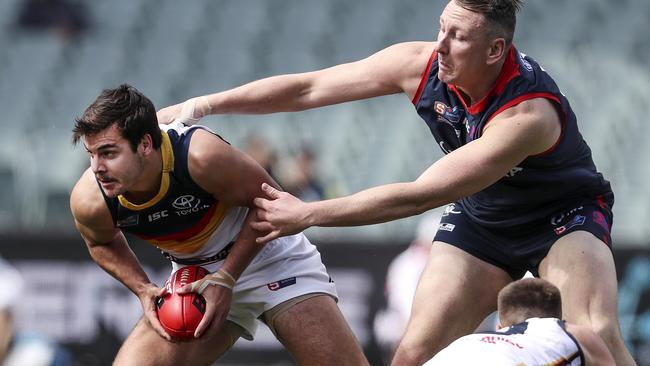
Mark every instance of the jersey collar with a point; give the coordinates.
(167, 167)
(509, 71)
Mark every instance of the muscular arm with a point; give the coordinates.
(526, 129)
(395, 69)
(593, 347)
(108, 246)
(235, 179)
(530, 128)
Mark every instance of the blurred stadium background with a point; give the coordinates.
(50, 71)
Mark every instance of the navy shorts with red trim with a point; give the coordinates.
(521, 248)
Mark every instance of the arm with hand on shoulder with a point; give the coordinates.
(109, 248)
(593, 347)
(233, 178)
(526, 129)
(395, 69)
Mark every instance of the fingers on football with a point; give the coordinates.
(186, 288)
(155, 324)
(162, 291)
(190, 287)
(205, 322)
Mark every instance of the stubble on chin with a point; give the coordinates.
(444, 77)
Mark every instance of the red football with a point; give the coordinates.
(181, 314)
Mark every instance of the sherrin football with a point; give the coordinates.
(178, 314)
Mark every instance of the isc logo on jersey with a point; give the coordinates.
(158, 215)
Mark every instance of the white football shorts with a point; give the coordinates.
(285, 268)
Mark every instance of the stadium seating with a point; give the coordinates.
(173, 50)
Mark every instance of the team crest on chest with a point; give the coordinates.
(446, 113)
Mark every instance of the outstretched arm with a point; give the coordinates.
(109, 249)
(529, 128)
(395, 69)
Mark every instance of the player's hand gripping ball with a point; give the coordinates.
(181, 314)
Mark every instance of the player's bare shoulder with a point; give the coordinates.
(412, 59)
(87, 203)
(207, 152)
(226, 172)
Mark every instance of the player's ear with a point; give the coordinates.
(496, 50)
(146, 144)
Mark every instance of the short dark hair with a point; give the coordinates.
(529, 298)
(125, 106)
(500, 15)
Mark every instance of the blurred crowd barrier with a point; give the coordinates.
(69, 300)
(57, 55)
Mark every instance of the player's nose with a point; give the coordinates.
(442, 43)
(97, 166)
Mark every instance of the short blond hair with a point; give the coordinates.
(500, 15)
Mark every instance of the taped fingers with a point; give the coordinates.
(219, 278)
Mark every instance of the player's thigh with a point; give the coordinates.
(455, 293)
(315, 333)
(145, 347)
(582, 267)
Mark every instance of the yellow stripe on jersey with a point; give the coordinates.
(194, 243)
(168, 166)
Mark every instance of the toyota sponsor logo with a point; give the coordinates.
(185, 202)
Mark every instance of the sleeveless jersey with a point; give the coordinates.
(541, 183)
(182, 219)
(534, 342)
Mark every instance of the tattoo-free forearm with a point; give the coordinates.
(372, 206)
(244, 249)
(284, 93)
(118, 260)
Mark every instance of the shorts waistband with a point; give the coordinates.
(221, 255)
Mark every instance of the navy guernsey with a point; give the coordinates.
(183, 218)
(540, 184)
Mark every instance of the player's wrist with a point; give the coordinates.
(203, 107)
(219, 278)
(145, 289)
(312, 214)
(193, 109)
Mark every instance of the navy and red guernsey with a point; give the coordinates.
(539, 185)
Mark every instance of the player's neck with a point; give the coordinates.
(150, 180)
(474, 92)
